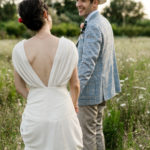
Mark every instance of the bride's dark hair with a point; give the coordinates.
(32, 13)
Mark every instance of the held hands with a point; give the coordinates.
(76, 108)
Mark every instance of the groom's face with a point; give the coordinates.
(84, 7)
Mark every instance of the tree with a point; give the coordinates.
(2, 2)
(48, 2)
(8, 11)
(124, 12)
(68, 8)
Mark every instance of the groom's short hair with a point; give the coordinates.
(91, 1)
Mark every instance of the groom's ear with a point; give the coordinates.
(95, 2)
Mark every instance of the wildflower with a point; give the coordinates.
(121, 85)
(130, 60)
(141, 96)
(9, 70)
(109, 114)
(148, 112)
(123, 105)
(19, 103)
(117, 99)
(121, 81)
(141, 88)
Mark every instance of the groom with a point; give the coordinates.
(98, 73)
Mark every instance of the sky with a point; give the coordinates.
(146, 4)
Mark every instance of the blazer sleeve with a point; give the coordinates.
(91, 50)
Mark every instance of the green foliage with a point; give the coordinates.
(143, 23)
(124, 12)
(69, 9)
(126, 118)
(119, 12)
(66, 29)
(8, 11)
(132, 103)
(14, 29)
(11, 103)
(130, 30)
(113, 130)
(58, 19)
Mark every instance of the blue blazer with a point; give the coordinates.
(97, 67)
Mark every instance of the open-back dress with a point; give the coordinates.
(49, 121)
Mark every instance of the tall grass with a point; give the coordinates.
(11, 104)
(126, 119)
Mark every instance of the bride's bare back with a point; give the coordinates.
(41, 54)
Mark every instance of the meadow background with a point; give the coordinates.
(127, 116)
(126, 119)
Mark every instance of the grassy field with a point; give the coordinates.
(127, 116)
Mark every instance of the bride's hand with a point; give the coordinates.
(76, 108)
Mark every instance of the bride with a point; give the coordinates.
(44, 65)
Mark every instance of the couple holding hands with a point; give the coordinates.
(55, 118)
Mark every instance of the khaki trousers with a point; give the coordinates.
(91, 120)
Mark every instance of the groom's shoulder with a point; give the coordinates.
(100, 22)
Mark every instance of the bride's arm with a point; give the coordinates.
(75, 88)
(20, 85)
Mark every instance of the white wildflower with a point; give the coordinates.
(130, 60)
(117, 99)
(9, 70)
(141, 96)
(148, 112)
(141, 88)
(108, 114)
(121, 85)
(19, 103)
(123, 105)
(121, 81)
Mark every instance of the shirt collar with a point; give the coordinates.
(91, 14)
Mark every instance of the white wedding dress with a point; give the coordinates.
(49, 121)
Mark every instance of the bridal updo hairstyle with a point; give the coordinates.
(32, 13)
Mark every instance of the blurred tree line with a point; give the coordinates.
(122, 12)
(125, 16)
(8, 10)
